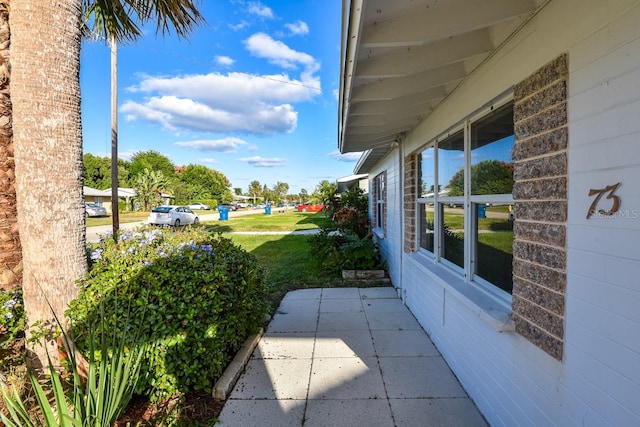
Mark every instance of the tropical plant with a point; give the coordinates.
(149, 186)
(96, 397)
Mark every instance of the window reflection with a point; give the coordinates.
(427, 237)
(494, 245)
(452, 233)
(491, 144)
(451, 165)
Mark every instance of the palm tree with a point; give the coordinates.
(47, 135)
(10, 251)
(115, 22)
(149, 187)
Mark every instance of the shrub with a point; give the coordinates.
(345, 251)
(193, 295)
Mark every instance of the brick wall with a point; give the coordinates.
(410, 198)
(540, 194)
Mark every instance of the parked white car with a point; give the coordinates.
(91, 210)
(173, 215)
(198, 205)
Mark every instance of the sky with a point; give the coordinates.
(252, 93)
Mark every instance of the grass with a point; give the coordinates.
(287, 221)
(288, 263)
(124, 217)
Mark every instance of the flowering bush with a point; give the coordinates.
(11, 317)
(193, 296)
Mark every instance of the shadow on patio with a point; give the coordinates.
(347, 357)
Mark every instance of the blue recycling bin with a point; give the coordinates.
(482, 211)
(224, 214)
(267, 210)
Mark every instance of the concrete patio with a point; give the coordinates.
(347, 357)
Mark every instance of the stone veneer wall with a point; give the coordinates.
(410, 198)
(540, 194)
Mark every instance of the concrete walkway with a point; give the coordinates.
(347, 357)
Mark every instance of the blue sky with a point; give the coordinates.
(252, 94)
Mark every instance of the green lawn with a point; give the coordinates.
(124, 217)
(287, 221)
(288, 263)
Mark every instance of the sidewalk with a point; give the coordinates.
(347, 357)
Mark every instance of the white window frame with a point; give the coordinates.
(468, 201)
(380, 202)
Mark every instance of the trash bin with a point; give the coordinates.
(482, 211)
(267, 210)
(224, 214)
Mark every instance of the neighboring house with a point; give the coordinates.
(502, 143)
(91, 195)
(347, 183)
(103, 197)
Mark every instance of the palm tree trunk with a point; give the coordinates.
(45, 90)
(115, 206)
(10, 250)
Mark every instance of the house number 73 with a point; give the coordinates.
(610, 192)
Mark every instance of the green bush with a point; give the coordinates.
(345, 251)
(193, 295)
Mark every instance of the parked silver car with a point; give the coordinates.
(173, 215)
(198, 205)
(91, 209)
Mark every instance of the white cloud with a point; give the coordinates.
(226, 145)
(257, 8)
(237, 27)
(221, 103)
(224, 60)
(232, 102)
(261, 162)
(262, 45)
(346, 157)
(298, 28)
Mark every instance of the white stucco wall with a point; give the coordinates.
(512, 381)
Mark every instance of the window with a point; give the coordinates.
(379, 202)
(466, 224)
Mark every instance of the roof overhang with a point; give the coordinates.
(401, 58)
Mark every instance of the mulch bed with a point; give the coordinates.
(197, 408)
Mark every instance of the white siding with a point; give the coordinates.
(512, 381)
(391, 244)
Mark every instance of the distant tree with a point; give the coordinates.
(237, 191)
(149, 186)
(152, 160)
(255, 190)
(325, 193)
(96, 171)
(487, 177)
(267, 194)
(304, 195)
(280, 190)
(205, 183)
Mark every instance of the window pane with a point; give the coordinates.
(451, 165)
(427, 176)
(452, 233)
(494, 245)
(426, 226)
(491, 143)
